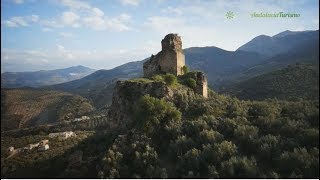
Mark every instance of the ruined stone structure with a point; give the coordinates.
(202, 84)
(170, 59)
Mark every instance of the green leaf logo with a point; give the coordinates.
(229, 15)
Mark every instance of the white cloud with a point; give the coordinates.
(19, 21)
(69, 18)
(170, 10)
(118, 23)
(51, 24)
(316, 21)
(130, 2)
(61, 57)
(161, 23)
(9, 23)
(74, 4)
(47, 29)
(83, 14)
(18, 1)
(192, 35)
(60, 48)
(97, 12)
(16, 22)
(80, 13)
(66, 34)
(34, 18)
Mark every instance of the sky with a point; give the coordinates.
(103, 34)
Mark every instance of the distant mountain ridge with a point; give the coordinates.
(221, 67)
(215, 62)
(43, 77)
(279, 43)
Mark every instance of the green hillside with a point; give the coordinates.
(26, 107)
(295, 81)
(186, 137)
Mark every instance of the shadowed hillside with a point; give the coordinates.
(295, 81)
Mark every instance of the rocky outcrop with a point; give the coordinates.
(127, 94)
(170, 60)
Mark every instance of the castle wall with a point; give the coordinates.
(151, 66)
(205, 88)
(202, 85)
(180, 62)
(170, 60)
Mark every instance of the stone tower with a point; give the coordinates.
(169, 60)
(202, 84)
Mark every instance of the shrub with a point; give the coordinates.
(185, 69)
(170, 79)
(190, 82)
(153, 113)
(157, 78)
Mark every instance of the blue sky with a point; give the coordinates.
(102, 34)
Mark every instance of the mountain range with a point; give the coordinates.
(280, 43)
(43, 78)
(261, 55)
(222, 67)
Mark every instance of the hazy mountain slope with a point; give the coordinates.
(215, 62)
(279, 43)
(219, 64)
(26, 107)
(307, 52)
(98, 86)
(221, 67)
(42, 78)
(295, 81)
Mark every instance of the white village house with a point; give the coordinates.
(43, 148)
(81, 119)
(11, 149)
(66, 134)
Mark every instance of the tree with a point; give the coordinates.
(239, 167)
(152, 114)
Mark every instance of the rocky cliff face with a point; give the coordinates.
(127, 94)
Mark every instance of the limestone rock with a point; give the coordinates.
(127, 94)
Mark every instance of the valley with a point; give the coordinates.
(200, 112)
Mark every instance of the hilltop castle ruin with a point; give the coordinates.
(169, 60)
